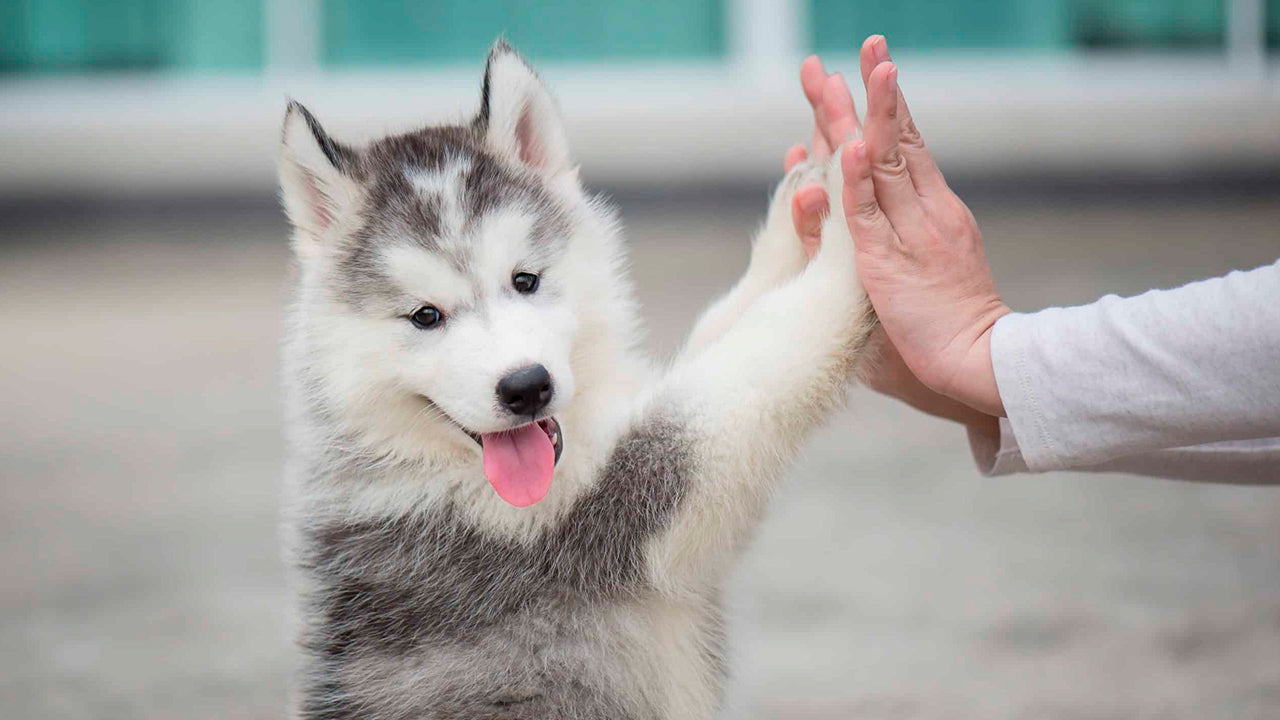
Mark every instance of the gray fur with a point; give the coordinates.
(422, 596)
(410, 587)
(339, 155)
(397, 211)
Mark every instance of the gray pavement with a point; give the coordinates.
(140, 455)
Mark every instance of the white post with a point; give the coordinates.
(766, 36)
(291, 35)
(1246, 35)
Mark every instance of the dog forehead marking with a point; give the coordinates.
(444, 178)
(443, 188)
(443, 185)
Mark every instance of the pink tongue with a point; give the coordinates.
(519, 464)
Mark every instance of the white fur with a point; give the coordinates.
(763, 366)
(524, 123)
(314, 192)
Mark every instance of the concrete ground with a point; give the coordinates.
(140, 456)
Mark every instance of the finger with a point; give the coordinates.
(875, 50)
(924, 171)
(894, 189)
(796, 154)
(809, 207)
(871, 230)
(839, 118)
(813, 77)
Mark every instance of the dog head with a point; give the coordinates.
(456, 283)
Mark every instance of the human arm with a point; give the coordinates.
(1235, 462)
(1122, 377)
(1119, 381)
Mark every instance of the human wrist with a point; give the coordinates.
(899, 383)
(967, 415)
(973, 382)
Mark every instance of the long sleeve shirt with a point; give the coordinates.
(1181, 383)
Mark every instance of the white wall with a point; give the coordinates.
(985, 114)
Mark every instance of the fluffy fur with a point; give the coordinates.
(423, 594)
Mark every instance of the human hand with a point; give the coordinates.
(835, 120)
(919, 251)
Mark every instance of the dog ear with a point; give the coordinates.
(519, 117)
(315, 180)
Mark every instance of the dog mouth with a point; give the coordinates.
(519, 463)
(548, 425)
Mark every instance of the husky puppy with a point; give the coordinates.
(497, 509)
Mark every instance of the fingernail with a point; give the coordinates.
(893, 78)
(882, 49)
(860, 151)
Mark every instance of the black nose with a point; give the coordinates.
(525, 391)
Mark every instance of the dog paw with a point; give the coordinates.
(793, 225)
(834, 226)
(806, 173)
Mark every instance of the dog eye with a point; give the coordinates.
(525, 282)
(426, 317)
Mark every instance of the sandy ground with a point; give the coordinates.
(140, 455)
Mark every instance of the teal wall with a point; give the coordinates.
(394, 32)
(1167, 24)
(79, 35)
(227, 35)
(839, 25)
(1029, 24)
(1273, 24)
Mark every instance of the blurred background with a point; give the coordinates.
(1103, 146)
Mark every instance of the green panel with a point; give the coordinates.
(221, 35)
(79, 34)
(382, 32)
(89, 35)
(1034, 24)
(1148, 23)
(13, 36)
(841, 25)
(1273, 24)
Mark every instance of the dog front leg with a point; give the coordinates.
(776, 256)
(754, 394)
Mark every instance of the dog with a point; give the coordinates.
(496, 507)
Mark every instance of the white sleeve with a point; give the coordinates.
(1245, 462)
(1124, 378)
